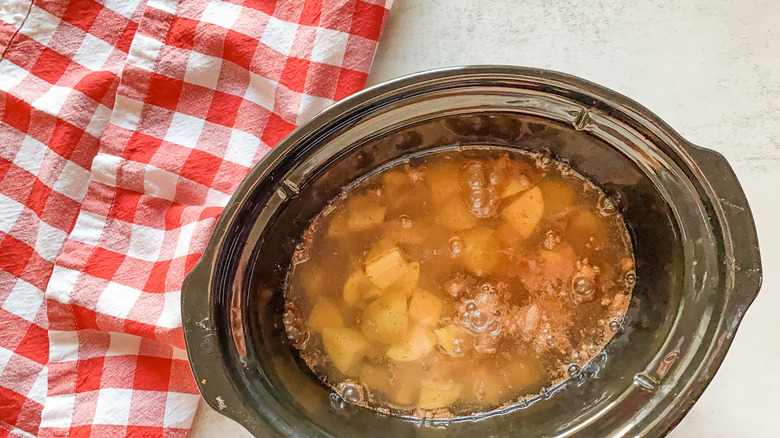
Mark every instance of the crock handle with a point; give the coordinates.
(741, 229)
(204, 352)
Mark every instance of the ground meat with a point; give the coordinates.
(460, 286)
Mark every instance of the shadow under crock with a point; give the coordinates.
(698, 265)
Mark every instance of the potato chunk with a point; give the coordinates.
(481, 250)
(446, 337)
(407, 282)
(515, 186)
(385, 268)
(420, 342)
(425, 307)
(365, 212)
(345, 347)
(442, 181)
(454, 214)
(358, 288)
(435, 395)
(352, 288)
(385, 320)
(325, 314)
(419, 232)
(525, 212)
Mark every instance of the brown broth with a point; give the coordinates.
(459, 284)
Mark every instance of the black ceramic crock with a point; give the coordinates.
(698, 264)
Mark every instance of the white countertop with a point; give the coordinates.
(709, 68)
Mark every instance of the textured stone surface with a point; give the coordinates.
(710, 68)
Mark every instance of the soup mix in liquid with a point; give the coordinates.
(455, 284)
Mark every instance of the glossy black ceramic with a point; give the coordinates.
(698, 264)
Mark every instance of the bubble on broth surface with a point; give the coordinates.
(406, 221)
(494, 328)
(615, 325)
(478, 198)
(294, 325)
(487, 288)
(607, 206)
(544, 162)
(495, 176)
(296, 335)
(630, 278)
(479, 321)
(583, 289)
(551, 240)
(289, 317)
(474, 177)
(457, 346)
(583, 286)
(574, 371)
(351, 392)
(456, 247)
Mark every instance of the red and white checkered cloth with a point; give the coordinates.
(125, 125)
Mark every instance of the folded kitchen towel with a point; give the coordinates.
(125, 125)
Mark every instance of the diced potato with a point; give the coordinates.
(515, 186)
(442, 181)
(525, 212)
(365, 212)
(420, 342)
(345, 347)
(521, 372)
(425, 307)
(407, 282)
(481, 252)
(436, 395)
(376, 378)
(386, 319)
(325, 314)
(353, 287)
(371, 292)
(558, 198)
(417, 234)
(358, 290)
(385, 268)
(484, 386)
(446, 337)
(455, 215)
